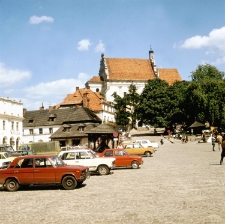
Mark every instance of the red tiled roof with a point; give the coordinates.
(129, 69)
(77, 98)
(95, 79)
(170, 75)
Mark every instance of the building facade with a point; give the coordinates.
(93, 100)
(117, 74)
(11, 122)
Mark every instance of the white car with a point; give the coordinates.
(86, 157)
(147, 143)
(4, 161)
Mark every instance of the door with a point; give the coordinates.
(24, 171)
(44, 172)
(122, 159)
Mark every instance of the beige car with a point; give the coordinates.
(5, 159)
(138, 149)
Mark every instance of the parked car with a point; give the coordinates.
(123, 159)
(42, 169)
(147, 143)
(86, 157)
(6, 148)
(7, 155)
(138, 149)
(4, 162)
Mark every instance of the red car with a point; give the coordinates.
(42, 169)
(123, 159)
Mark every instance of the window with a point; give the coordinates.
(3, 124)
(30, 121)
(31, 131)
(17, 126)
(108, 153)
(40, 131)
(42, 163)
(12, 125)
(25, 163)
(81, 128)
(50, 130)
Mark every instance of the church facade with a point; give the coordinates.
(117, 74)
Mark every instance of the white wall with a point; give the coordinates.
(36, 137)
(11, 112)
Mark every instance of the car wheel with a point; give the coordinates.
(103, 170)
(12, 185)
(135, 165)
(148, 154)
(69, 183)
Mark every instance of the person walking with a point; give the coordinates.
(213, 142)
(161, 139)
(219, 140)
(223, 150)
(120, 146)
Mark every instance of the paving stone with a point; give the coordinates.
(181, 183)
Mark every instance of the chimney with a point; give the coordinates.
(85, 100)
(50, 108)
(77, 88)
(24, 111)
(88, 87)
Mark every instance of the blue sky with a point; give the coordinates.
(49, 47)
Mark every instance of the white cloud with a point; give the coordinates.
(55, 90)
(213, 44)
(83, 45)
(10, 76)
(100, 47)
(40, 19)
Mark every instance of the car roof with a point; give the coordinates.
(35, 156)
(77, 150)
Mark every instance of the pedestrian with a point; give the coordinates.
(219, 140)
(120, 146)
(183, 139)
(223, 150)
(161, 139)
(213, 142)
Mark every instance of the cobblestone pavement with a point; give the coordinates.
(181, 183)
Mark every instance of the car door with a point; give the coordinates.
(44, 171)
(122, 159)
(24, 170)
(85, 158)
(136, 149)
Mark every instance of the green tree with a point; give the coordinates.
(207, 71)
(121, 115)
(132, 101)
(205, 96)
(154, 103)
(126, 107)
(177, 102)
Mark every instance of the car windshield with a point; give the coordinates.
(56, 161)
(91, 154)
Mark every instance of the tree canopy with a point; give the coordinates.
(163, 105)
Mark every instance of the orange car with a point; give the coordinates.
(123, 159)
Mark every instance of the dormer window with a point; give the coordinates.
(81, 127)
(52, 117)
(31, 121)
(66, 128)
